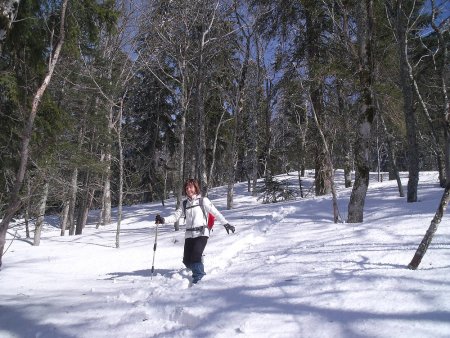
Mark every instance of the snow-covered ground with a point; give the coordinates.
(288, 271)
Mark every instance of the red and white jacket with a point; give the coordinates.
(195, 218)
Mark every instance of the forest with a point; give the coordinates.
(105, 103)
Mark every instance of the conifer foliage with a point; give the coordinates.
(273, 190)
(104, 103)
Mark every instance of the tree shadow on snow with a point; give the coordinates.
(167, 273)
(14, 321)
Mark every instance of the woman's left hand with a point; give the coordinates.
(229, 228)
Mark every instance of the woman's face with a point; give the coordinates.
(190, 190)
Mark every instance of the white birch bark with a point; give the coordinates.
(41, 214)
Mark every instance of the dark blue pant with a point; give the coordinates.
(192, 256)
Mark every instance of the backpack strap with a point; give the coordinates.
(200, 203)
(184, 209)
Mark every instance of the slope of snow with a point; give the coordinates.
(288, 271)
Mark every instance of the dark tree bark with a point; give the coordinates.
(343, 111)
(85, 202)
(329, 163)
(398, 13)
(391, 154)
(199, 101)
(322, 169)
(237, 106)
(366, 115)
(443, 73)
(426, 241)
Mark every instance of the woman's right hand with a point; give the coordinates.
(159, 219)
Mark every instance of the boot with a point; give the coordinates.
(198, 271)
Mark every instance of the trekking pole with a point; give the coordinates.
(154, 249)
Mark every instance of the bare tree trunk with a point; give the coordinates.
(201, 150)
(81, 211)
(106, 205)
(106, 212)
(254, 119)
(254, 144)
(85, 205)
(302, 125)
(267, 149)
(233, 159)
(434, 136)
(64, 217)
(201, 144)
(181, 147)
(164, 197)
(366, 115)
(41, 215)
(397, 13)
(14, 200)
(119, 140)
(72, 201)
(27, 209)
(343, 111)
(391, 153)
(202, 171)
(232, 164)
(73, 191)
(426, 241)
(379, 146)
(102, 208)
(443, 68)
(348, 171)
(336, 214)
(315, 91)
(300, 182)
(213, 162)
(322, 175)
(237, 110)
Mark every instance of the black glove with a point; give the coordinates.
(159, 219)
(229, 227)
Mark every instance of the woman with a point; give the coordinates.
(195, 210)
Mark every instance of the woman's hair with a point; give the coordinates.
(194, 182)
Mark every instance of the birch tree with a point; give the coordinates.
(14, 198)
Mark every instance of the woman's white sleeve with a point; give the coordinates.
(209, 207)
(174, 217)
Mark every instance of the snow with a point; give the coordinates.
(288, 271)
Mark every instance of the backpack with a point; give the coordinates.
(209, 218)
